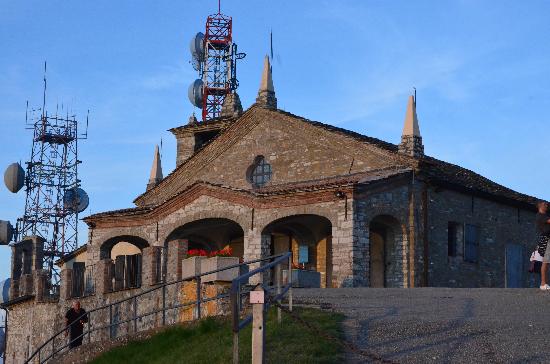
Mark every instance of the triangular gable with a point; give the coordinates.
(297, 149)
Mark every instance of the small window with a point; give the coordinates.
(471, 244)
(303, 254)
(259, 172)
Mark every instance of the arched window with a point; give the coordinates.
(259, 172)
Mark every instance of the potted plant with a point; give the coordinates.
(191, 266)
(220, 259)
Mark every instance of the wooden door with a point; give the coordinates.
(377, 259)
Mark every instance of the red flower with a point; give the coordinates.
(197, 253)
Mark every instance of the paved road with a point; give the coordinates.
(443, 325)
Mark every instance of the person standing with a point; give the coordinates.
(75, 319)
(543, 231)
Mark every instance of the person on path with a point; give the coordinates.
(75, 319)
(543, 231)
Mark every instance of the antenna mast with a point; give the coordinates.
(215, 58)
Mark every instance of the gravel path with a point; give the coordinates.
(442, 325)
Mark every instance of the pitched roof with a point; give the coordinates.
(435, 170)
(274, 190)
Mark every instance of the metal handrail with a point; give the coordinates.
(161, 286)
(235, 293)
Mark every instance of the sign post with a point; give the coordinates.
(257, 299)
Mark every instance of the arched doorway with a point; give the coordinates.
(309, 237)
(126, 253)
(385, 247)
(211, 234)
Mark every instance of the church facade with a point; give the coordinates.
(358, 210)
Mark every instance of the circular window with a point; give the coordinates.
(259, 173)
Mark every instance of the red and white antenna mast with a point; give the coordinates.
(215, 58)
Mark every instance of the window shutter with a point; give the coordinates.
(120, 262)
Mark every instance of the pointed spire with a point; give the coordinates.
(156, 170)
(266, 94)
(411, 140)
(411, 120)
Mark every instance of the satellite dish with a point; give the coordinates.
(6, 232)
(75, 200)
(195, 93)
(14, 177)
(5, 290)
(197, 47)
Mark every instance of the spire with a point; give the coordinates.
(411, 140)
(266, 94)
(156, 170)
(232, 106)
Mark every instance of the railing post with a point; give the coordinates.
(198, 280)
(89, 327)
(235, 297)
(278, 272)
(290, 283)
(111, 320)
(164, 305)
(53, 347)
(135, 315)
(258, 324)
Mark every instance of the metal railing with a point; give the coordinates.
(280, 291)
(115, 312)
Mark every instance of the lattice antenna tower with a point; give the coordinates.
(53, 194)
(215, 58)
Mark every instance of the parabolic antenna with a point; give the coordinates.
(195, 93)
(197, 47)
(76, 200)
(6, 232)
(14, 177)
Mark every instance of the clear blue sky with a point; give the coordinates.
(481, 68)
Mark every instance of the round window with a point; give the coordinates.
(259, 173)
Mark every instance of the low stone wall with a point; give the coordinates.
(33, 322)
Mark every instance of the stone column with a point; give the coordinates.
(40, 283)
(14, 289)
(177, 249)
(26, 285)
(65, 291)
(346, 250)
(256, 246)
(150, 269)
(104, 276)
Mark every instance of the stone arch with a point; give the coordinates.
(387, 251)
(308, 236)
(239, 219)
(108, 244)
(210, 233)
(279, 215)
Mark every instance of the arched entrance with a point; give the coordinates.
(211, 234)
(126, 253)
(309, 237)
(385, 244)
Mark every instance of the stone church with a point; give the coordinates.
(359, 210)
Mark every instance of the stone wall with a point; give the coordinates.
(390, 206)
(498, 225)
(296, 150)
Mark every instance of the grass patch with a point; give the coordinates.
(211, 341)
